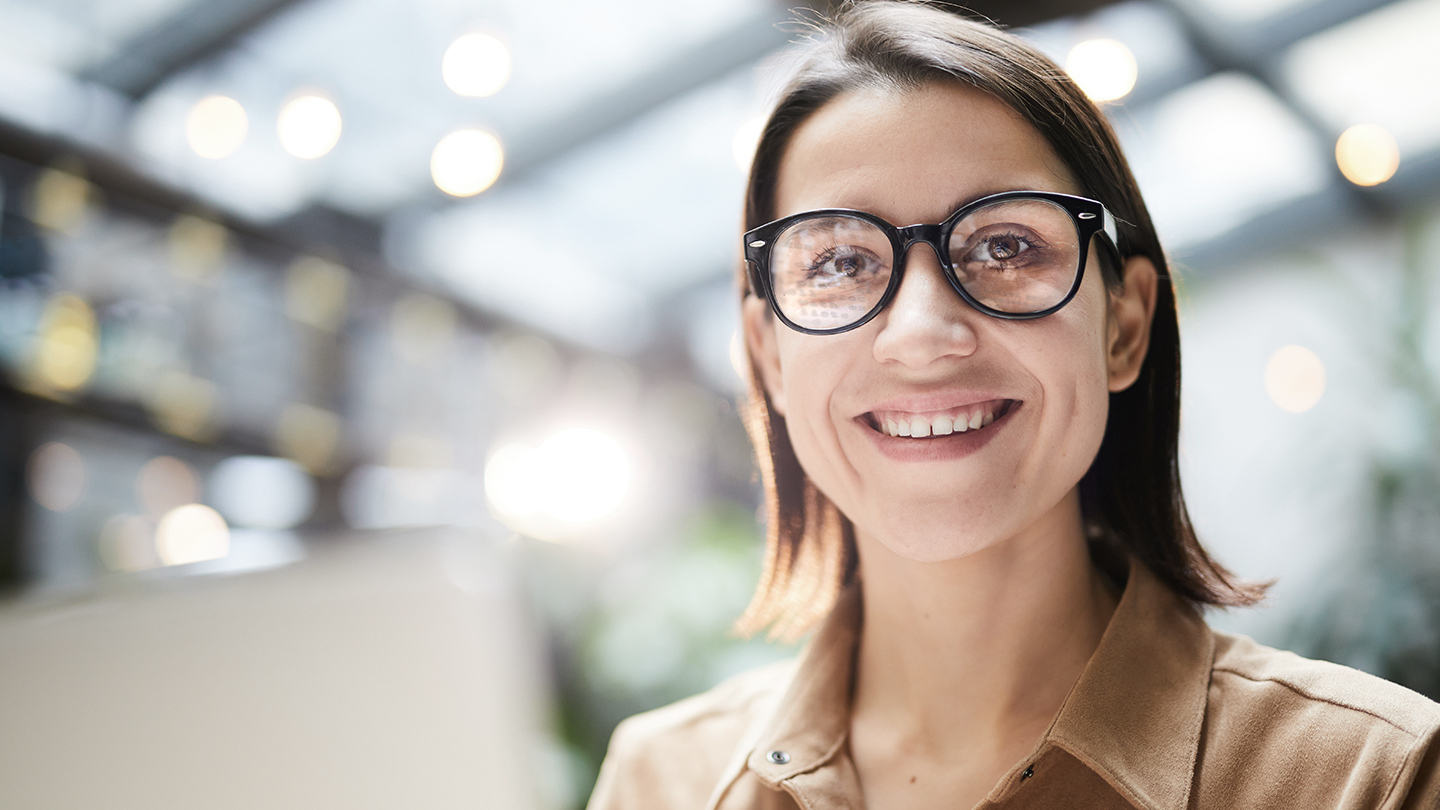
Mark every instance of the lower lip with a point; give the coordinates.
(939, 448)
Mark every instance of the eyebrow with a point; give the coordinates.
(967, 200)
(964, 201)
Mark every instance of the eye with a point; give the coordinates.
(1001, 247)
(843, 263)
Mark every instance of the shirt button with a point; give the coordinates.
(778, 757)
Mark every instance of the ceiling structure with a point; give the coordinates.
(191, 33)
(613, 219)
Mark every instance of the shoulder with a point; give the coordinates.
(675, 755)
(1353, 695)
(1282, 730)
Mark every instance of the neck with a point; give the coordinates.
(977, 654)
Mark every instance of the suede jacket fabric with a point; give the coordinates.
(1167, 715)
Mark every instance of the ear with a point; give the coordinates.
(1128, 333)
(759, 327)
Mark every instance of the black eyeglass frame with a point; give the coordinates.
(1090, 217)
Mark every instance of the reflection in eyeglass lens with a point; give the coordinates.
(1014, 256)
(828, 272)
(1019, 256)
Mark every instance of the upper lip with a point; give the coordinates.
(921, 404)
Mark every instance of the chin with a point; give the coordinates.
(935, 543)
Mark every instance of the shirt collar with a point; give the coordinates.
(1134, 716)
(812, 720)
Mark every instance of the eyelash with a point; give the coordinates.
(814, 268)
(1029, 242)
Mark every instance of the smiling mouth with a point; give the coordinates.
(900, 424)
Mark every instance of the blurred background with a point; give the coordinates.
(367, 381)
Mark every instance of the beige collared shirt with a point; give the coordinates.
(1168, 715)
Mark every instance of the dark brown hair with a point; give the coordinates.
(1131, 497)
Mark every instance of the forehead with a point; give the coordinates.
(914, 155)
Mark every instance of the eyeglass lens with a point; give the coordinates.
(1013, 256)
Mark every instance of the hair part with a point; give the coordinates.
(1131, 497)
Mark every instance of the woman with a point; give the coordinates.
(967, 434)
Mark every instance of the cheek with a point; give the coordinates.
(1092, 407)
(1075, 378)
(1090, 390)
(814, 369)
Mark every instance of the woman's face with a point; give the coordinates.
(910, 157)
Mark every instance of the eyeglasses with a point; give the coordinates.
(1014, 255)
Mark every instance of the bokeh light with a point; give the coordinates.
(60, 199)
(262, 492)
(1367, 155)
(576, 476)
(191, 533)
(216, 127)
(66, 352)
(1295, 378)
(476, 65)
(1104, 68)
(309, 436)
(197, 248)
(184, 405)
(309, 126)
(513, 481)
(587, 474)
(316, 291)
(747, 137)
(165, 482)
(422, 326)
(466, 162)
(56, 475)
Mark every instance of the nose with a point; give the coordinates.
(927, 320)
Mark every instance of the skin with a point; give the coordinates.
(981, 604)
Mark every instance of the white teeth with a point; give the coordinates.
(920, 427)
